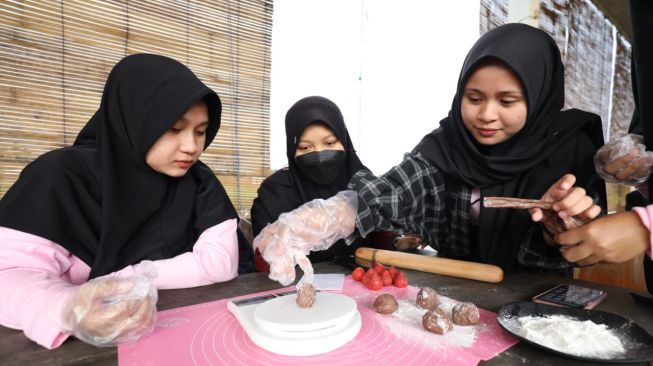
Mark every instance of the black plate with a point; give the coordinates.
(647, 300)
(637, 341)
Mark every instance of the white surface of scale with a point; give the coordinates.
(276, 323)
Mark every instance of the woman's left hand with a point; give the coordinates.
(567, 201)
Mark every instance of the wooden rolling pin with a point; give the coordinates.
(442, 266)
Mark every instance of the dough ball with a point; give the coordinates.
(436, 321)
(427, 298)
(306, 295)
(465, 313)
(385, 304)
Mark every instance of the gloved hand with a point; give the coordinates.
(107, 311)
(624, 160)
(315, 225)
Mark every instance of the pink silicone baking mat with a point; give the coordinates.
(208, 334)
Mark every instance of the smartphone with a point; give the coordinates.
(571, 296)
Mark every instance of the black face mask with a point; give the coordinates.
(321, 167)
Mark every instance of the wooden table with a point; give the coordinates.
(16, 349)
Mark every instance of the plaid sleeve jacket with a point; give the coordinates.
(414, 197)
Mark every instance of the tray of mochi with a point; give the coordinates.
(588, 335)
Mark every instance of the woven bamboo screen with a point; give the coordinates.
(493, 14)
(56, 54)
(597, 72)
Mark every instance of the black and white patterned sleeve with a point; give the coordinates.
(536, 253)
(403, 200)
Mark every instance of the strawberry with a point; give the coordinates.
(401, 280)
(367, 276)
(365, 280)
(386, 278)
(393, 272)
(378, 268)
(375, 283)
(357, 274)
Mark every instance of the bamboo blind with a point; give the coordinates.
(493, 14)
(55, 56)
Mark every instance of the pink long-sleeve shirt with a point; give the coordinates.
(646, 215)
(38, 276)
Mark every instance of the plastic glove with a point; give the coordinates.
(624, 160)
(316, 225)
(107, 311)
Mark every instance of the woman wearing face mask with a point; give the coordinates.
(321, 160)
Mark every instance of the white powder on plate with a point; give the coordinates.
(575, 337)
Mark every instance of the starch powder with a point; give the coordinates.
(575, 337)
(406, 324)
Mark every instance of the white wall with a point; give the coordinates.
(390, 65)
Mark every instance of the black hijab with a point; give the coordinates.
(551, 143)
(99, 199)
(289, 188)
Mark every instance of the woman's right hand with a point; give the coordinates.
(567, 201)
(108, 311)
(314, 226)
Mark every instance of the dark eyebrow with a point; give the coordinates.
(472, 90)
(183, 119)
(511, 92)
(502, 93)
(324, 138)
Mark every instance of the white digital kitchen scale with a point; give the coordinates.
(276, 323)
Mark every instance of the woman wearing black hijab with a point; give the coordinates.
(512, 142)
(552, 143)
(312, 172)
(130, 196)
